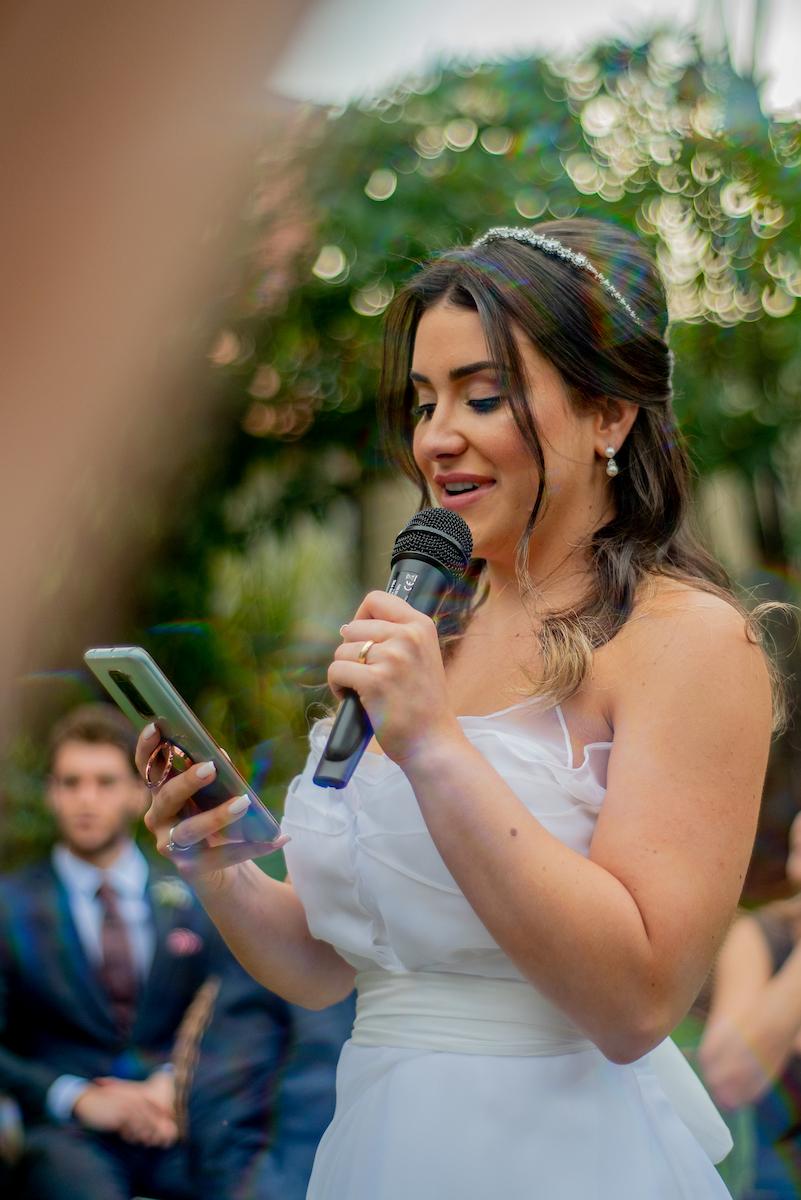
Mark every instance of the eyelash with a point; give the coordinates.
(485, 404)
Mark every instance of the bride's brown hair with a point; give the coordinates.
(602, 354)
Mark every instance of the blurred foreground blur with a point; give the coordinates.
(127, 141)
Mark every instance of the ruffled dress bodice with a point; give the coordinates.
(370, 884)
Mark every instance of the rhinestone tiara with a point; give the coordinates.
(552, 245)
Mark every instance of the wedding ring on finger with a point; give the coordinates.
(174, 847)
(365, 650)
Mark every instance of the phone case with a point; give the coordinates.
(140, 688)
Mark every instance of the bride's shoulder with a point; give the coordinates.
(686, 656)
(665, 602)
(679, 628)
(685, 649)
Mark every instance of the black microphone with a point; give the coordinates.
(429, 555)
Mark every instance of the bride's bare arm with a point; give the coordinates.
(623, 940)
(264, 924)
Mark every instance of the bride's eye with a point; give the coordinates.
(486, 403)
(421, 412)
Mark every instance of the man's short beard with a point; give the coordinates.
(94, 851)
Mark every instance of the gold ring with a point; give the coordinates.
(365, 650)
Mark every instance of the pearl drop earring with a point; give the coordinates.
(611, 466)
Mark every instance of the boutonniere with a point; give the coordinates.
(171, 893)
(182, 942)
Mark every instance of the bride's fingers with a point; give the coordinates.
(173, 796)
(187, 833)
(145, 745)
(344, 674)
(382, 606)
(363, 631)
(352, 651)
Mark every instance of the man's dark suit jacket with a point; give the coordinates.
(263, 1088)
(263, 1092)
(55, 1017)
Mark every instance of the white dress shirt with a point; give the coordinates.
(128, 876)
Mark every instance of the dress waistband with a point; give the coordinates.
(464, 1014)
(473, 1014)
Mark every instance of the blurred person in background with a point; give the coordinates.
(517, 876)
(262, 1093)
(750, 1053)
(100, 957)
(87, 1046)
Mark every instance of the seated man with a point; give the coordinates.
(100, 956)
(262, 1092)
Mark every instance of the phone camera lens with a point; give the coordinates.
(132, 693)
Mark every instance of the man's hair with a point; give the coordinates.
(96, 724)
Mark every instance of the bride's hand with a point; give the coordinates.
(195, 844)
(400, 680)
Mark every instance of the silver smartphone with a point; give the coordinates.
(140, 688)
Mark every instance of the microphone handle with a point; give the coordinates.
(421, 584)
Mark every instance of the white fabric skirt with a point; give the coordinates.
(413, 1121)
(436, 1126)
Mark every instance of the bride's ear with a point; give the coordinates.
(613, 423)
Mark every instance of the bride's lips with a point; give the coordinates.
(462, 499)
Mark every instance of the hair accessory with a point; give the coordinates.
(611, 466)
(552, 245)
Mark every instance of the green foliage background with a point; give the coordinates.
(651, 135)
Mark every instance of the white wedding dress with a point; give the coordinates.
(461, 1082)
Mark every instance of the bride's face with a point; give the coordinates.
(470, 450)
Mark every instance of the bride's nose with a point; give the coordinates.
(440, 436)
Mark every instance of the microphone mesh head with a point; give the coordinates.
(439, 536)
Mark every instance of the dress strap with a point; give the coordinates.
(566, 734)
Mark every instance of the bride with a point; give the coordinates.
(532, 868)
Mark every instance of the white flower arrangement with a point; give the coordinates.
(171, 893)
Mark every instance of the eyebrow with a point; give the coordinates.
(457, 372)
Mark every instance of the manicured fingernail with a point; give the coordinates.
(239, 805)
(149, 731)
(206, 770)
(342, 629)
